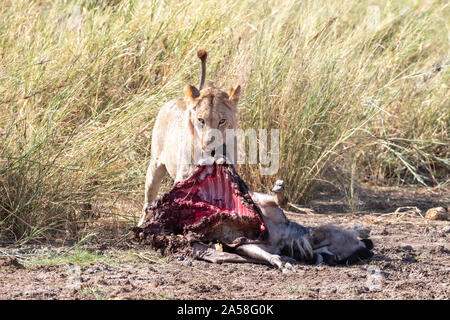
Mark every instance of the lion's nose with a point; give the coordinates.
(208, 142)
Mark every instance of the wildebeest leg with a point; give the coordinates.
(278, 189)
(262, 254)
(203, 252)
(324, 255)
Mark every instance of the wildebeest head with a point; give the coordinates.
(338, 245)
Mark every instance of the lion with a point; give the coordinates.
(188, 128)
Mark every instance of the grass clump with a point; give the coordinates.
(77, 257)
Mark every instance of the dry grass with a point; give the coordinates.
(81, 82)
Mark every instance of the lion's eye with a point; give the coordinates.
(201, 121)
(221, 122)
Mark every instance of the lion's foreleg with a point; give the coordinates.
(155, 173)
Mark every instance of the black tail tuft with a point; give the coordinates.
(368, 243)
(360, 254)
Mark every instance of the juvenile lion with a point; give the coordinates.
(186, 127)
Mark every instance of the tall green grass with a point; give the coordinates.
(82, 81)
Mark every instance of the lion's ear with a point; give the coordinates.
(191, 92)
(235, 93)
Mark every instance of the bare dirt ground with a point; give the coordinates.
(411, 261)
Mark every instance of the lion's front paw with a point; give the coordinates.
(144, 216)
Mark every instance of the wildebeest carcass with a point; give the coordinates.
(215, 206)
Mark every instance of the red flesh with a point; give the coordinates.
(217, 207)
(203, 198)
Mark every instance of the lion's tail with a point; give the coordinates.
(202, 54)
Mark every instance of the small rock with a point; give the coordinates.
(438, 213)
(446, 229)
(363, 232)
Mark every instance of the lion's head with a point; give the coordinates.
(211, 112)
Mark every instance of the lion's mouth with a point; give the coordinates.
(214, 204)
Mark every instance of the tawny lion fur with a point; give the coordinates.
(186, 127)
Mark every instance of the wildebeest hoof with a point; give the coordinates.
(281, 264)
(279, 186)
(358, 255)
(288, 268)
(317, 258)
